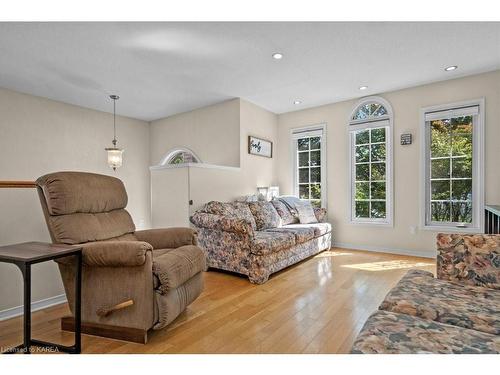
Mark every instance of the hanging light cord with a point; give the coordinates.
(114, 122)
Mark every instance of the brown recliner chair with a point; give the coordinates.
(132, 281)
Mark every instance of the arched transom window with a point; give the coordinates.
(369, 111)
(370, 133)
(180, 156)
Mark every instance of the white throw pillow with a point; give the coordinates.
(306, 212)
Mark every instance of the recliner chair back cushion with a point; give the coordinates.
(83, 207)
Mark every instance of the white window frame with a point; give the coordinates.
(477, 225)
(309, 131)
(354, 126)
(165, 160)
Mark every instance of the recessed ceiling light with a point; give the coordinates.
(297, 102)
(277, 56)
(363, 87)
(450, 68)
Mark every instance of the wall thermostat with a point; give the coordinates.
(406, 139)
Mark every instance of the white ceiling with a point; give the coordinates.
(160, 69)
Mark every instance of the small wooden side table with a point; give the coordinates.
(23, 255)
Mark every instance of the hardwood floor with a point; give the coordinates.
(317, 306)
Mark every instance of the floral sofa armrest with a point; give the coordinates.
(320, 214)
(220, 222)
(469, 259)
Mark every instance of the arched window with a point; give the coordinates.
(180, 155)
(369, 111)
(370, 130)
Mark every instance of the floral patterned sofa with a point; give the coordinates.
(258, 238)
(457, 312)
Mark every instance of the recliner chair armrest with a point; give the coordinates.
(113, 253)
(167, 237)
(223, 223)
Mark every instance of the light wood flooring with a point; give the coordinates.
(316, 306)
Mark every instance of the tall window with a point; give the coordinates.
(453, 165)
(309, 164)
(370, 152)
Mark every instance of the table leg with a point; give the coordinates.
(78, 303)
(26, 271)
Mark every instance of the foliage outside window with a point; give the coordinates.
(182, 157)
(370, 176)
(309, 165)
(451, 170)
(453, 166)
(370, 138)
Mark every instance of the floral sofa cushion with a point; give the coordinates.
(388, 333)
(235, 210)
(469, 259)
(286, 209)
(301, 234)
(265, 242)
(418, 293)
(216, 208)
(265, 215)
(286, 216)
(242, 211)
(222, 223)
(319, 228)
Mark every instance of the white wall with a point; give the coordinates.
(39, 136)
(406, 105)
(211, 132)
(212, 138)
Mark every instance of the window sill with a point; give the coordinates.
(453, 229)
(372, 223)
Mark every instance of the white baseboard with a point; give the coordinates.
(35, 306)
(390, 250)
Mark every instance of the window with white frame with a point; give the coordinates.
(180, 156)
(370, 136)
(309, 164)
(452, 166)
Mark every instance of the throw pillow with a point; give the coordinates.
(306, 213)
(216, 208)
(286, 216)
(265, 215)
(242, 211)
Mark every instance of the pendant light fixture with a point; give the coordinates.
(114, 153)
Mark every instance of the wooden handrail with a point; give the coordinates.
(18, 184)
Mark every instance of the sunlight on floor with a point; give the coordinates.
(324, 271)
(388, 265)
(330, 253)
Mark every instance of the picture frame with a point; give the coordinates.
(260, 147)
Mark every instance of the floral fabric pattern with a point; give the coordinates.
(241, 211)
(388, 333)
(269, 242)
(286, 216)
(418, 293)
(320, 213)
(301, 234)
(265, 215)
(318, 228)
(469, 259)
(225, 223)
(216, 208)
(231, 244)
